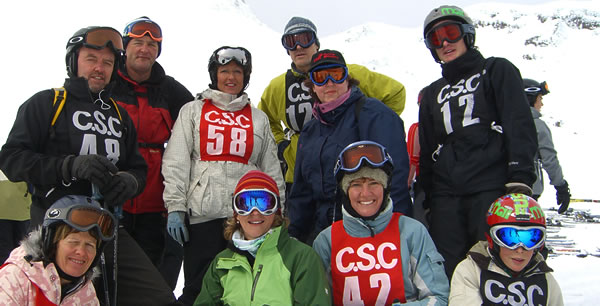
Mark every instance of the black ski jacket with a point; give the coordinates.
(34, 151)
(475, 128)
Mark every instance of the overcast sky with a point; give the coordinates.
(334, 16)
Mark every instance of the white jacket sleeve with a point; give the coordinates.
(177, 160)
(464, 287)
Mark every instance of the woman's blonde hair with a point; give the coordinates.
(232, 225)
(63, 230)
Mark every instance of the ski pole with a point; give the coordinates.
(585, 200)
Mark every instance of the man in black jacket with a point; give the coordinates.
(153, 100)
(78, 141)
(476, 133)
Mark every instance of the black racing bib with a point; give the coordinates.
(497, 289)
(96, 131)
(298, 102)
(457, 106)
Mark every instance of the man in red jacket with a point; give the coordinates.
(153, 100)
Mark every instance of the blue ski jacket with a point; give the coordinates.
(313, 195)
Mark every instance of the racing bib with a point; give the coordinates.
(368, 270)
(226, 136)
(497, 289)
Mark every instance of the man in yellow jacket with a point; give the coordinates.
(287, 100)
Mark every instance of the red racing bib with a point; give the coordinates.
(226, 136)
(367, 271)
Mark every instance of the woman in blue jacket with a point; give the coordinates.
(342, 114)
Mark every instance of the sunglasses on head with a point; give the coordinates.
(86, 217)
(351, 158)
(99, 38)
(512, 237)
(302, 39)
(143, 27)
(262, 200)
(541, 90)
(448, 31)
(336, 73)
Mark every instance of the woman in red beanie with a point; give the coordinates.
(262, 264)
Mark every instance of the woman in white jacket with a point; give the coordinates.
(216, 139)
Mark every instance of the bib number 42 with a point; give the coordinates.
(352, 294)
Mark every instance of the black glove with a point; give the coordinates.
(516, 187)
(281, 147)
(94, 168)
(563, 197)
(121, 188)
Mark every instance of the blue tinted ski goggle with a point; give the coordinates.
(262, 200)
(512, 237)
(336, 73)
(351, 158)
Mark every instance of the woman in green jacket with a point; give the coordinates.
(262, 265)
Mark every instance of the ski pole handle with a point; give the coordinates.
(96, 195)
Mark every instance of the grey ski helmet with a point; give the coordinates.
(81, 213)
(93, 37)
(450, 12)
(223, 56)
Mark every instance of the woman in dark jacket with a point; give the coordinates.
(341, 115)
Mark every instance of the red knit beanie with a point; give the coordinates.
(255, 179)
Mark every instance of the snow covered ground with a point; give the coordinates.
(579, 277)
(555, 42)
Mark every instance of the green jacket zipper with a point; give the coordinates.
(256, 281)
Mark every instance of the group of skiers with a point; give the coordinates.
(129, 174)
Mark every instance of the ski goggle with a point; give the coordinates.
(84, 218)
(535, 90)
(336, 73)
(99, 38)
(351, 158)
(512, 237)
(138, 29)
(448, 31)
(262, 200)
(302, 39)
(227, 54)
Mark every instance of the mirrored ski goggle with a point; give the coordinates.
(448, 31)
(84, 218)
(99, 38)
(512, 237)
(541, 90)
(142, 27)
(227, 54)
(302, 39)
(262, 200)
(351, 158)
(336, 73)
